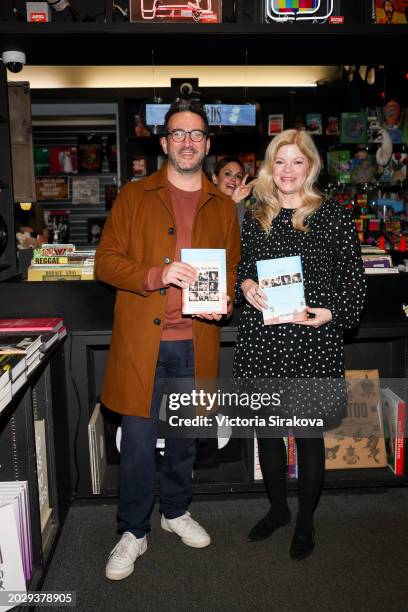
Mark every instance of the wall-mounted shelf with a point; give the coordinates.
(186, 44)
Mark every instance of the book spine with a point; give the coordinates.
(291, 456)
(399, 441)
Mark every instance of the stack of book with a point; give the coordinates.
(379, 264)
(23, 343)
(61, 262)
(16, 559)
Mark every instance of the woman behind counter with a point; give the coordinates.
(291, 217)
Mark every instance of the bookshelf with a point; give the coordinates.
(41, 399)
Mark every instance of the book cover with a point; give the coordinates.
(281, 280)
(95, 227)
(332, 126)
(42, 471)
(353, 128)
(51, 188)
(338, 166)
(5, 395)
(38, 324)
(394, 417)
(97, 451)
(16, 493)
(90, 154)
(314, 123)
(209, 292)
(139, 166)
(58, 225)
(63, 160)
(41, 160)
(19, 345)
(15, 364)
(377, 261)
(275, 124)
(48, 250)
(358, 442)
(85, 190)
(11, 563)
(394, 12)
(60, 273)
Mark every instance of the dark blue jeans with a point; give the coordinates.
(137, 452)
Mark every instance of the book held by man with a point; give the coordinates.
(209, 292)
(281, 280)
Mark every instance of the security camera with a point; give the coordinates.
(14, 60)
(186, 89)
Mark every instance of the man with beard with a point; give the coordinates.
(139, 254)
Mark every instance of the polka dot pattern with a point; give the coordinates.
(333, 279)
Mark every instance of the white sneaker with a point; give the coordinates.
(121, 561)
(188, 529)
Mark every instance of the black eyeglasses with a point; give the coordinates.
(180, 135)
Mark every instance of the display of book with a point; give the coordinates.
(394, 420)
(209, 292)
(19, 345)
(15, 541)
(281, 280)
(358, 442)
(11, 563)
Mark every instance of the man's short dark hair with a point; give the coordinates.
(181, 106)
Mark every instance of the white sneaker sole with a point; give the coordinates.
(192, 543)
(120, 575)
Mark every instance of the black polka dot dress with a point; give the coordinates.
(333, 278)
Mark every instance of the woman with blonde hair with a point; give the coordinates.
(291, 217)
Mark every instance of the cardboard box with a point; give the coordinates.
(359, 441)
(172, 11)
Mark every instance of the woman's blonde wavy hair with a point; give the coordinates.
(267, 205)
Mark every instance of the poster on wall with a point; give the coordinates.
(312, 11)
(199, 11)
(391, 11)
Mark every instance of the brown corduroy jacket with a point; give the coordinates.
(138, 235)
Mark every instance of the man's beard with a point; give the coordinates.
(191, 169)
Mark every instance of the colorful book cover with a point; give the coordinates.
(63, 160)
(41, 160)
(394, 416)
(46, 324)
(392, 12)
(332, 126)
(282, 281)
(314, 123)
(353, 128)
(338, 166)
(275, 124)
(209, 292)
